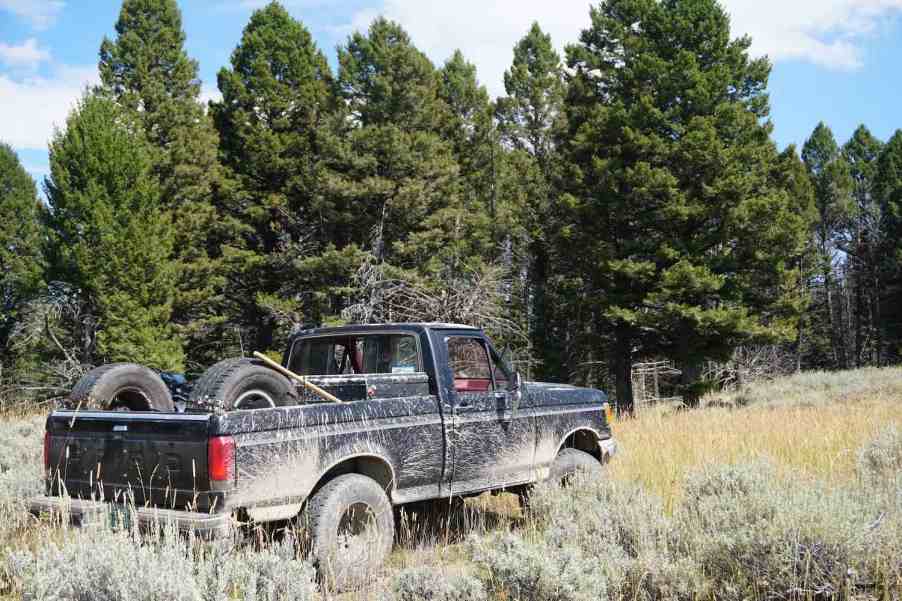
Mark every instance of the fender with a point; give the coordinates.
(594, 432)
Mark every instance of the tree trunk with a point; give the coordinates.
(265, 331)
(623, 370)
(690, 372)
(835, 342)
(859, 313)
(539, 311)
(878, 326)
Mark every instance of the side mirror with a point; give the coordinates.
(516, 390)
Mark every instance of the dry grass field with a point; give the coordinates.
(812, 424)
(790, 489)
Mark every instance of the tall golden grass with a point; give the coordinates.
(812, 423)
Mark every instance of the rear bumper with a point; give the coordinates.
(608, 448)
(89, 513)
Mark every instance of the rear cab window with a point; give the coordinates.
(356, 354)
(362, 366)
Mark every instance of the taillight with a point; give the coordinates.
(608, 413)
(221, 459)
(46, 451)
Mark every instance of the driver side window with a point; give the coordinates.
(469, 362)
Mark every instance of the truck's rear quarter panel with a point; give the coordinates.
(282, 453)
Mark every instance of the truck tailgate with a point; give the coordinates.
(149, 459)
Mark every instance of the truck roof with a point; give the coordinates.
(411, 326)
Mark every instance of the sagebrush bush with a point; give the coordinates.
(433, 584)
(593, 540)
(125, 566)
(627, 529)
(756, 533)
(21, 464)
(21, 470)
(880, 459)
(538, 570)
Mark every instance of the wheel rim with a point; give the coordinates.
(130, 399)
(254, 399)
(357, 531)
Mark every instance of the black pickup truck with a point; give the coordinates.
(424, 412)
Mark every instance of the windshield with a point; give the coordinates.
(356, 354)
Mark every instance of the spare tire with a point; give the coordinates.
(123, 386)
(243, 384)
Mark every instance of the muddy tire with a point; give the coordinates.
(570, 462)
(243, 384)
(122, 386)
(351, 527)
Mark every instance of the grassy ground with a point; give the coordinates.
(812, 423)
(668, 535)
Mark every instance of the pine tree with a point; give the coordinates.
(861, 153)
(791, 174)
(112, 236)
(471, 131)
(147, 71)
(21, 243)
(888, 191)
(527, 116)
(683, 241)
(833, 199)
(396, 173)
(276, 106)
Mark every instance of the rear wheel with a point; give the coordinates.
(351, 528)
(570, 462)
(243, 384)
(124, 387)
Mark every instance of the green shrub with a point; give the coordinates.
(432, 584)
(880, 460)
(601, 539)
(538, 570)
(757, 534)
(123, 566)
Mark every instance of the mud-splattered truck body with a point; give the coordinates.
(429, 411)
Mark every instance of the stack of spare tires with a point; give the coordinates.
(235, 383)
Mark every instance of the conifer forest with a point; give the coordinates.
(621, 202)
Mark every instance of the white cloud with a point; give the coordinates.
(255, 4)
(209, 93)
(40, 13)
(828, 33)
(27, 56)
(32, 107)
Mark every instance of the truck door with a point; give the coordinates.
(489, 445)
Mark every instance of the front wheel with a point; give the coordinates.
(351, 526)
(570, 462)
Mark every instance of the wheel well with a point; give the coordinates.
(583, 440)
(366, 465)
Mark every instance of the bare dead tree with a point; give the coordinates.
(58, 330)
(470, 297)
(751, 363)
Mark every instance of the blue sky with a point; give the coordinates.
(834, 60)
